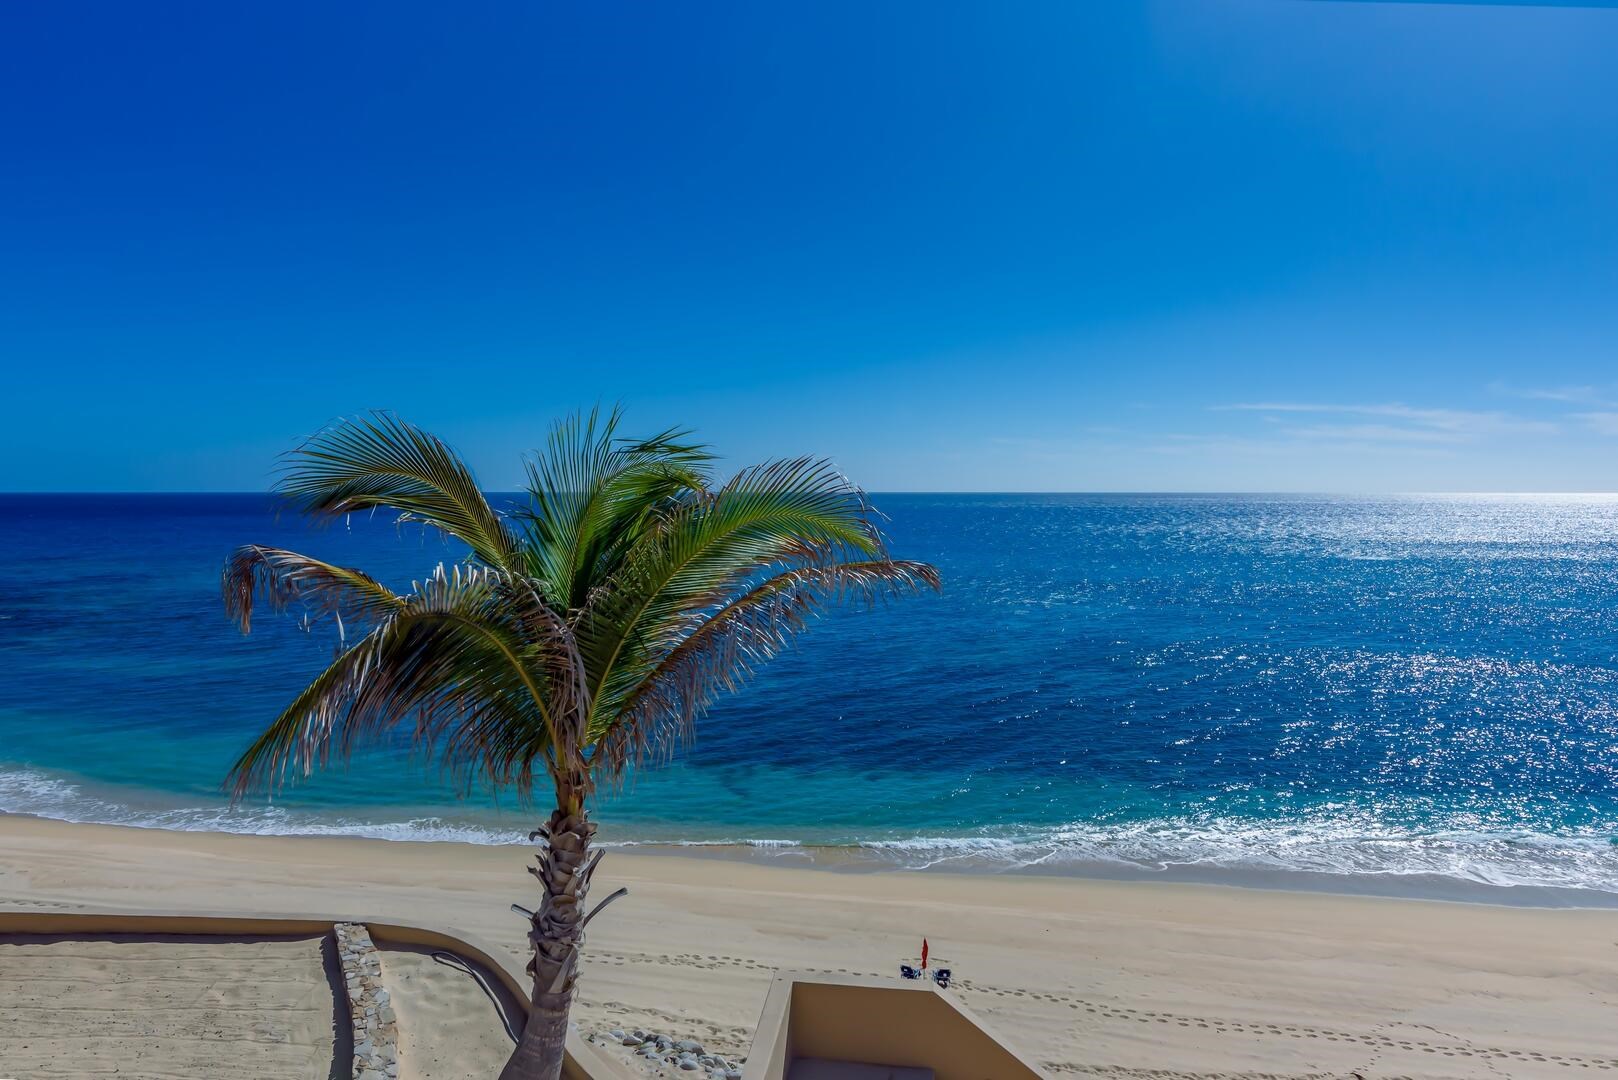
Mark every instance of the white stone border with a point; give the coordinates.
(376, 1029)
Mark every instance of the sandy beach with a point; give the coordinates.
(1090, 977)
(149, 1006)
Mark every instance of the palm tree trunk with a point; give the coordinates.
(564, 871)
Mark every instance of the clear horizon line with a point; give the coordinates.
(912, 491)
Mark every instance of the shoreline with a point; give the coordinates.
(1415, 887)
(856, 859)
(1090, 977)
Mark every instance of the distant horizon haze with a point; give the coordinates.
(494, 493)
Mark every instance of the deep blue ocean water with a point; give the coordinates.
(1415, 687)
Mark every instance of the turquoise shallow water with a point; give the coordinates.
(1404, 688)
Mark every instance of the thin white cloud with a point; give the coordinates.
(1564, 395)
(1577, 395)
(1604, 423)
(1183, 444)
(1454, 425)
(1374, 433)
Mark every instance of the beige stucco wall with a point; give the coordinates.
(885, 1023)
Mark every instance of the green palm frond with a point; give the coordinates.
(380, 462)
(719, 652)
(701, 552)
(604, 618)
(591, 493)
(456, 663)
(600, 622)
(301, 736)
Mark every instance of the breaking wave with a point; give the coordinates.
(1344, 848)
(38, 795)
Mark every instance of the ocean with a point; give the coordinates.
(1390, 694)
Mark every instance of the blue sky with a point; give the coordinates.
(1198, 245)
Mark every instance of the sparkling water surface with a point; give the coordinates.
(1411, 687)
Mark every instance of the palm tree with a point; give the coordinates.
(579, 633)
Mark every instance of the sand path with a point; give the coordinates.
(164, 1008)
(448, 1027)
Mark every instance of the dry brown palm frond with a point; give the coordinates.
(283, 578)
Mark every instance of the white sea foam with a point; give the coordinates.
(1326, 846)
(39, 795)
(1338, 846)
